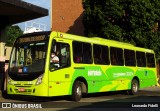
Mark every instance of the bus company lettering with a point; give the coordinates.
(121, 74)
(94, 73)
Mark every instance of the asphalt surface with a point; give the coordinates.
(148, 99)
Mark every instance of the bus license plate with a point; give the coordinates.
(21, 89)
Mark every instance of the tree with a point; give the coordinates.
(12, 33)
(131, 21)
(101, 17)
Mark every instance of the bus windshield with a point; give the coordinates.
(28, 56)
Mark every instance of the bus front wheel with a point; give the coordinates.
(134, 87)
(77, 91)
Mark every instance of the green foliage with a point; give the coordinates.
(132, 21)
(101, 17)
(12, 33)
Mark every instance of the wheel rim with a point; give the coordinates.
(135, 87)
(79, 91)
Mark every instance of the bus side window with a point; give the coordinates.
(116, 55)
(87, 53)
(77, 59)
(82, 52)
(100, 53)
(150, 60)
(65, 55)
(129, 56)
(113, 59)
(105, 55)
(61, 56)
(141, 59)
(97, 54)
(77, 52)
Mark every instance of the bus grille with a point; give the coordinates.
(25, 86)
(26, 91)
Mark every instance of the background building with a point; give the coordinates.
(67, 16)
(12, 12)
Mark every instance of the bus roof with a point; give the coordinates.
(98, 40)
(113, 41)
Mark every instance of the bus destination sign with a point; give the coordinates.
(31, 39)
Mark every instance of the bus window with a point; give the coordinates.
(116, 56)
(65, 55)
(87, 55)
(97, 54)
(150, 60)
(105, 55)
(77, 52)
(141, 59)
(100, 54)
(82, 52)
(60, 56)
(129, 56)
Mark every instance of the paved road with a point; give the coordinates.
(147, 98)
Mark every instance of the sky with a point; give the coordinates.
(43, 20)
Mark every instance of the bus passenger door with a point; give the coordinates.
(59, 74)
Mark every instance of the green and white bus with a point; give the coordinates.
(86, 65)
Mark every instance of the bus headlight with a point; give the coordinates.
(39, 80)
(9, 80)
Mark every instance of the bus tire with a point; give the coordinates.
(77, 91)
(134, 87)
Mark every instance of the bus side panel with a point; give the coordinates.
(119, 78)
(115, 85)
(102, 78)
(147, 76)
(94, 75)
(60, 81)
(99, 78)
(59, 88)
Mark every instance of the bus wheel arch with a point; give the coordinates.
(79, 87)
(135, 84)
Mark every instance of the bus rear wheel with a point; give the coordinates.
(77, 91)
(134, 87)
